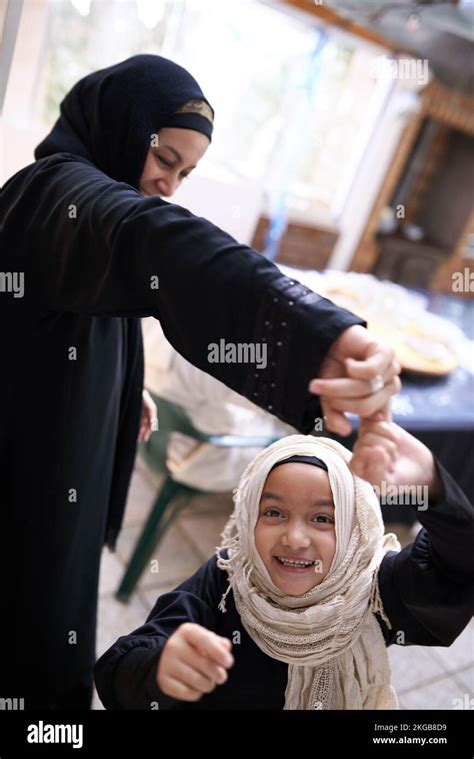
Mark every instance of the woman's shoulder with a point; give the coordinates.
(51, 169)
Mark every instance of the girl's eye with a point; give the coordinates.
(272, 513)
(323, 519)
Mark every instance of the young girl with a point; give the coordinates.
(306, 592)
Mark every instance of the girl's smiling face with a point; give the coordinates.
(295, 533)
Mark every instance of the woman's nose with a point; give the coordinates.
(162, 187)
(296, 537)
(167, 186)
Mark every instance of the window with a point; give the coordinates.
(293, 107)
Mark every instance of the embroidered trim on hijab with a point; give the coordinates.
(328, 636)
(198, 106)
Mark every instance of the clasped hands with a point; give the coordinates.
(359, 375)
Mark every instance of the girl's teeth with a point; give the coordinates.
(295, 563)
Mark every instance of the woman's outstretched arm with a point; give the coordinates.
(89, 245)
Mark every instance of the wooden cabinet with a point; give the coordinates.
(301, 245)
(430, 187)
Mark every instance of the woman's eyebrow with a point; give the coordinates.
(178, 155)
(276, 497)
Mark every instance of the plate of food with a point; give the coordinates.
(424, 343)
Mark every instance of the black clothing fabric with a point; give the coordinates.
(109, 116)
(72, 423)
(95, 256)
(427, 591)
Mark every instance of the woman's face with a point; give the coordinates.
(171, 160)
(295, 534)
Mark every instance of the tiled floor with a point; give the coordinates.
(424, 678)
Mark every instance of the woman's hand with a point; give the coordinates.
(149, 418)
(358, 375)
(385, 452)
(194, 661)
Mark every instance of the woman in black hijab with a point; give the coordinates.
(94, 255)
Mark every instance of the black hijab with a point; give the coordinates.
(108, 117)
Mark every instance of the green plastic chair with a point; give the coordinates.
(172, 497)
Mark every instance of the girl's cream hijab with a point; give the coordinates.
(329, 636)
